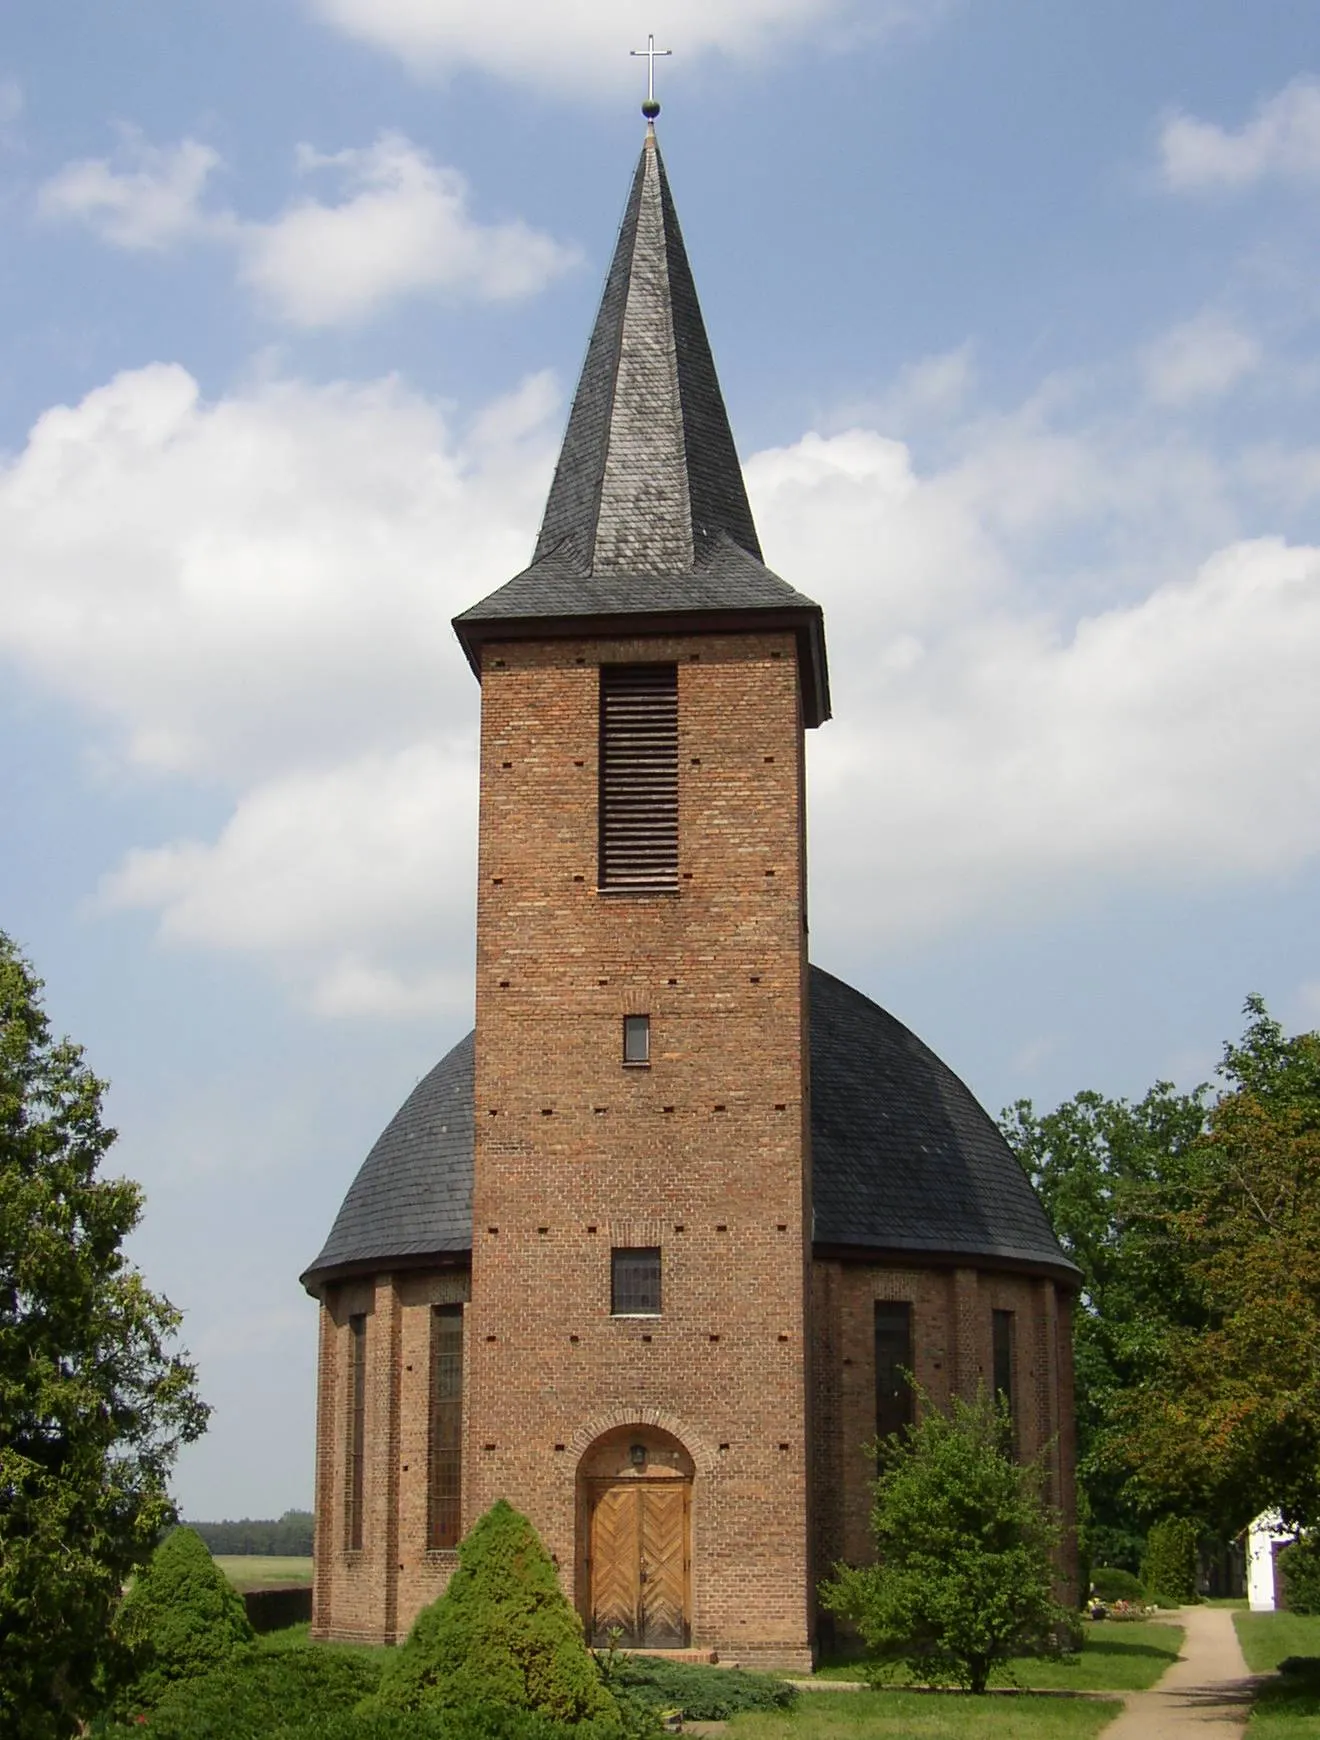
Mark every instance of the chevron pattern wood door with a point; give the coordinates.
(663, 1573)
(615, 1564)
(639, 1563)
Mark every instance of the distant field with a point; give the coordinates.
(253, 1571)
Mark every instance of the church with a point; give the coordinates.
(658, 1249)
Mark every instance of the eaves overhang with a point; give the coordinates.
(806, 622)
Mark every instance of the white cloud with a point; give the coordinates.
(379, 850)
(266, 581)
(992, 751)
(148, 197)
(1281, 142)
(1058, 662)
(577, 44)
(1202, 358)
(403, 226)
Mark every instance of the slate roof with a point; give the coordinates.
(904, 1159)
(412, 1196)
(647, 516)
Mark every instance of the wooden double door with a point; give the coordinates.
(638, 1562)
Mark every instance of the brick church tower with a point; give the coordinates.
(640, 1243)
(653, 1253)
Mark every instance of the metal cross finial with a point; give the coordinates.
(650, 108)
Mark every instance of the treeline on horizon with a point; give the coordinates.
(289, 1536)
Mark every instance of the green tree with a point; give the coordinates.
(1300, 1565)
(1169, 1567)
(1229, 1423)
(964, 1573)
(1109, 1172)
(181, 1618)
(93, 1405)
(502, 1633)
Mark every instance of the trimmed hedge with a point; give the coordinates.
(703, 1694)
(480, 1722)
(259, 1694)
(1112, 1584)
(1300, 1565)
(1169, 1567)
(319, 1693)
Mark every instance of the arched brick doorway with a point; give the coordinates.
(635, 1539)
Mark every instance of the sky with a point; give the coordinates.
(1016, 307)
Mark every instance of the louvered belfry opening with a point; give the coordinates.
(639, 777)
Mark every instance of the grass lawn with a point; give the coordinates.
(927, 1716)
(1114, 1658)
(1287, 1708)
(299, 1636)
(253, 1571)
(1267, 1638)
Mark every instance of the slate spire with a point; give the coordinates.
(647, 517)
(648, 478)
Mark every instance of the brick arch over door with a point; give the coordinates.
(703, 1457)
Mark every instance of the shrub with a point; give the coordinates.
(1300, 1565)
(1110, 1583)
(704, 1694)
(964, 1543)
(258, 1694)
(1169, 1567)
(181, 1618)
(481, 1722)
(502, 1633)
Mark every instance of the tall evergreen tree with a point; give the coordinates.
(93, 1403)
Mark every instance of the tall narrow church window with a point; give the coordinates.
(446, 1433)
(355, 1447)
(635, 1281)
(637, 1039)
(639, 777)
(893, 1364)
(1003, 1335)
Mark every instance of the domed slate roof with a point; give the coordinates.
(904, 1159)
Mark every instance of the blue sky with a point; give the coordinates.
(1015, 310)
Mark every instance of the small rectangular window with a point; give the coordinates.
(446, 1436)
(893, 1363)
(355, 1448)
(637, 1039)
(635, 1281)
(1003, 1333)
(639, 777)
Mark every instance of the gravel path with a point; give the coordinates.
(1205, 1695)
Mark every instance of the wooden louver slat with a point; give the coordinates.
(639, 776)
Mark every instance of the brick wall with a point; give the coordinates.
(951, 1345)
(373, 1593)
(701, 1154)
